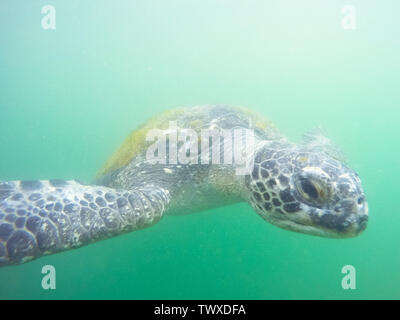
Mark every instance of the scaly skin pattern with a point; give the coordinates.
(44, 217)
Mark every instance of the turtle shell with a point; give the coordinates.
(195, 118)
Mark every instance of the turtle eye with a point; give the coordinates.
(313, 190)
(309, 189)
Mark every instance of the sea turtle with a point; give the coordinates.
(304, 187)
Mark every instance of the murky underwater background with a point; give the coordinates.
(68, 98)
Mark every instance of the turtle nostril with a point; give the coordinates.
(360, 200)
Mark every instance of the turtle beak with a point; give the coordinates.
(357, 220)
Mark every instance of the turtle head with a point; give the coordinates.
(307, 190)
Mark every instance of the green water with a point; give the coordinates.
(69, 96)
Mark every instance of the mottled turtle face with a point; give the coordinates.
(308, 192)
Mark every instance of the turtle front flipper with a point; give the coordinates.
(44, 217)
